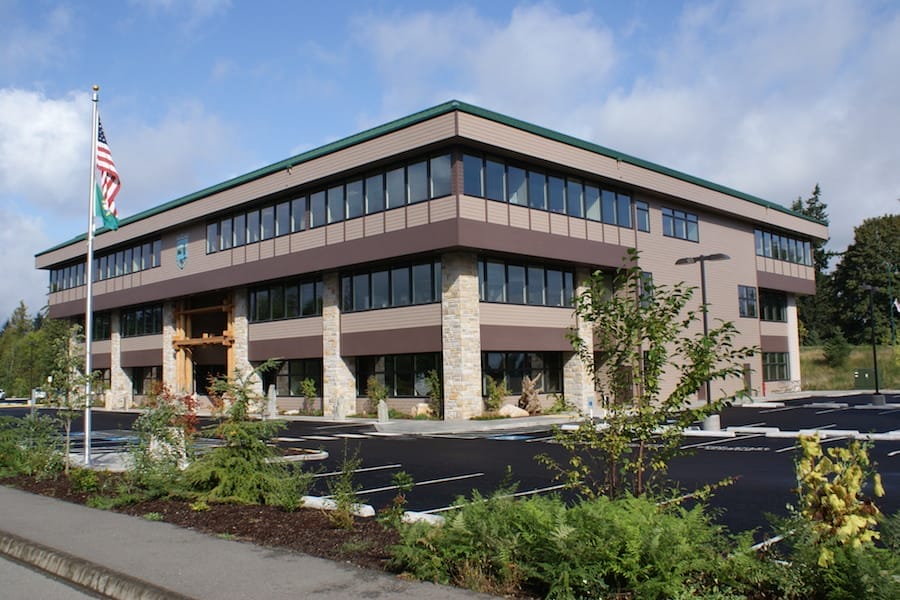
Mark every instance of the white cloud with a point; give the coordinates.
(21, 281)
(764, 96)
(44, 147)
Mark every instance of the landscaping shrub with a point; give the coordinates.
(30, 446)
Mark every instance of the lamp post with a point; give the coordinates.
(877, 397)
(702, 259)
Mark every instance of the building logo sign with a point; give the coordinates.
(181, 251)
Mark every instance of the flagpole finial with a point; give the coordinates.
(96, 88)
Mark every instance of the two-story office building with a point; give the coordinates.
(451, 240)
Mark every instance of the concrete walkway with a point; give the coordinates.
(118, 556)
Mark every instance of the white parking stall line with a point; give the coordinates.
(287, 439)
(771, 410)
(345, 425)
(760, 424)
(321, 438)
(541, 439)
(362, 470)
(418, 483)
(894, 453)
(831, 410)
(722, 441)
(533, 492)
(887, 412)
(385, 433)
(797, 446)
(352, 436)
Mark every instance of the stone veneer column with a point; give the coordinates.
(338, 383)
(169, 375)
(793, 331)
(119, 395)
(578, 381)
(461, 336)
(241, 329)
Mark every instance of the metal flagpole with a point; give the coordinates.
(89, 273)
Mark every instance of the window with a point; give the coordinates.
(252, 226)
(404, 375)
(645, 290)
(141, 320)
(494, 174)
(537, 190)
(355, 199)
(680, 224)
(298, 214)
(286, 299)
(335, 204)
(316, 209)
(212, 237)
(282, 218)
(510, 367)
(401, 286)
(473, 184)
(291, 373)
(267, 222)
(396, 188)
(747, 301)
(240, 229)
(517, 191)
(642, 215)
(592, 202)
(556, 194)
(374, 194)
(773, 306)
(574, 198)
(524, 284)
(226, 236)
(780, 247)
(775, 366)
(146, 380)
(102, 326)
(417, 181)
(440, 176)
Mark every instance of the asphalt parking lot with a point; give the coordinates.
(757, 445)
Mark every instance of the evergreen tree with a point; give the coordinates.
(816, 312)
(872, 259)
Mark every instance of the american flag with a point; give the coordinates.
(109, 177)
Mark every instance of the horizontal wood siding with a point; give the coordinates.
(386, 319)
(287, 328)
(516, 315)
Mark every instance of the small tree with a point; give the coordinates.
(836, 350)
(830, 489)
(435, 393)
(642, 331)
(376, 392)
(496, 392)
(310, 393)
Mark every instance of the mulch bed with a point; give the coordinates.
(305, 530)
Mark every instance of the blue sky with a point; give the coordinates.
(767, 96)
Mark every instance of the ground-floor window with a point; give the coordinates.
(289, 375)
(404, 375)
(776, 366)
(146, 380)
(512, 366)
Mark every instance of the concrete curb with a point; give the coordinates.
(81, 572)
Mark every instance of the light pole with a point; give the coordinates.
(702, 259)
(877, 398)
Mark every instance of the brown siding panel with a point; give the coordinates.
(302, 347)
(774, 343)
(142, 358)
(402, 341)
(498, 338)
(784, 283)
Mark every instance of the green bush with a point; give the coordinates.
(596, 548)
(836, 350)
(496, 392)
(30, 446)
(245, 469)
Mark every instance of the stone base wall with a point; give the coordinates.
(338, 382)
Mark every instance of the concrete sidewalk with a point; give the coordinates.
(119, 556)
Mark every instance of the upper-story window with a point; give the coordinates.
(391, 286)
(494, 179)
(407, 184)
(286, 299)
(773, 306)
(747, 301)
(782, 247)
(124, 261)
(513, 283)
(102, 326)
(142, 320)
(642, 215)
(680, 224)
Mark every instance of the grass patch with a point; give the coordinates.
(818, 375)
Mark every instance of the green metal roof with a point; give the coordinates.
(424, 115)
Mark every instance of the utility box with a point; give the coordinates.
(864, 379)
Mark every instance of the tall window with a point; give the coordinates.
(142, 320)
(642, 215)
(680, 224)
(102, 326)
(773, 306)
(776, 366)
(510, 367)
(146, 380)
(404, 375)
(747, 301)
(292, 372)
(782, 247)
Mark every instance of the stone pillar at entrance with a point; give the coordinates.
(239, 351)
(578, 381)
(461, 333)
(119, 394)
(338, 383)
